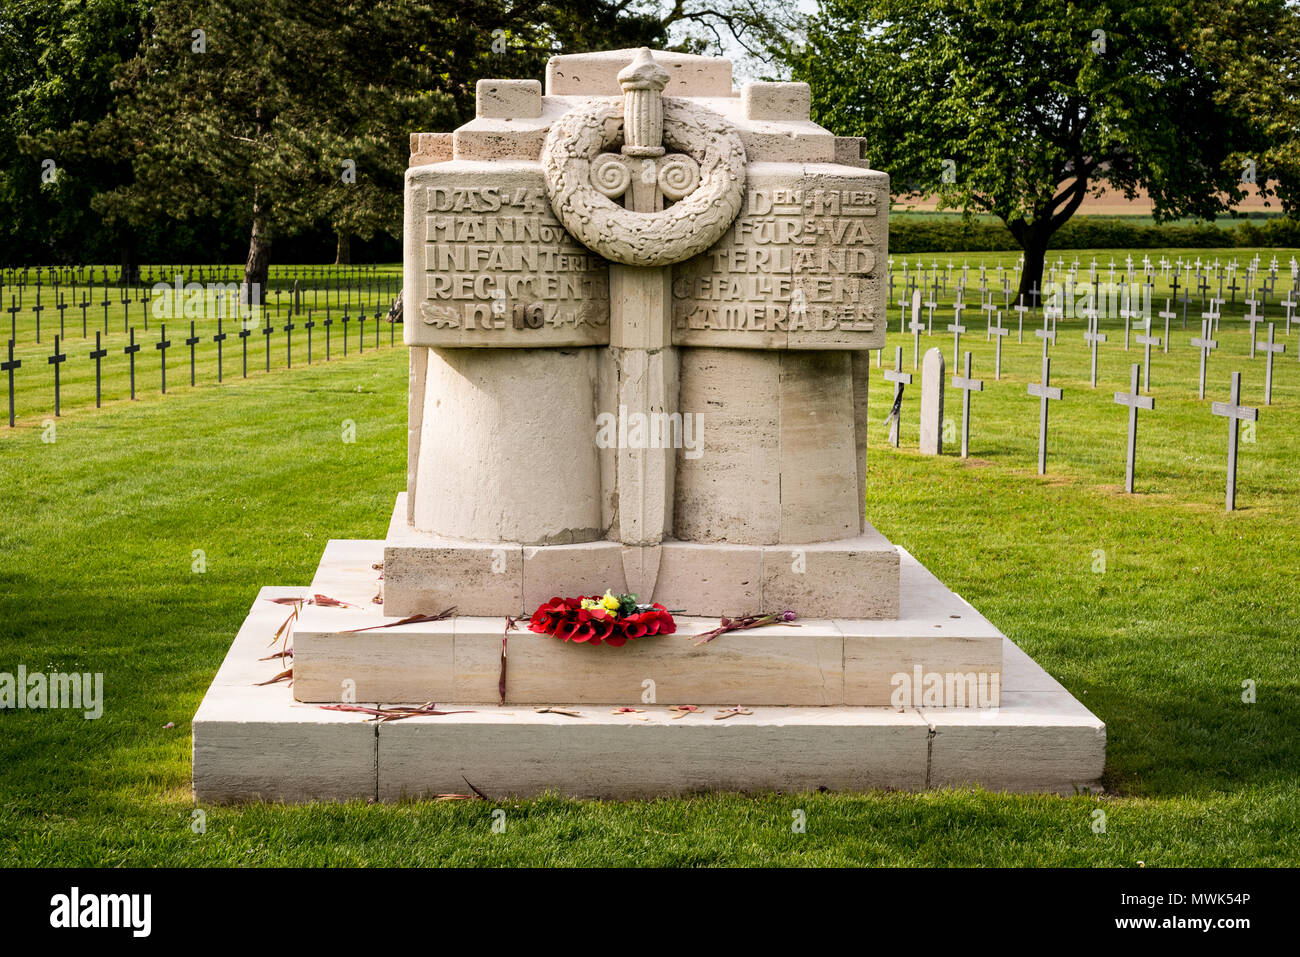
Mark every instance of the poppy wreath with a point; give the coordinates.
(596, 620)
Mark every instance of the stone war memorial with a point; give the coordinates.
(638, 305)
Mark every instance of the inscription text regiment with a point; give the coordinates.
(500, 269)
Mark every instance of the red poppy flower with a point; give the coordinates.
(566, 619)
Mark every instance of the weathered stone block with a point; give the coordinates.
(854, 578)
(776, 101)
(508, 99)
(475, 579)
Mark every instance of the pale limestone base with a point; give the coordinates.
(817, 662)
(855, 577)
(257, 743)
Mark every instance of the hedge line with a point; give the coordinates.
(942, 236)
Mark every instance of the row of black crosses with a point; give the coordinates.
(302, 285)
(99, 353)
(1045, 392)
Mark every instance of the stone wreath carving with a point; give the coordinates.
(704, 178)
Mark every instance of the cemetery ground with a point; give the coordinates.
(135, 542)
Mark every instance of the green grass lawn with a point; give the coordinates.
(101, 525)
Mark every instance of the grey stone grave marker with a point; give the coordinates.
(900, 380)
(932, 385)
(1000, 332)
(916, 326)
(1206, 345)
(1235, 413)
(1271, 349)
(1045, 393)
(967, 385)
(1166, 314)
(1094, 338)
(1134, 400)
(1146, 340)
(1254, 318)
(956, 328)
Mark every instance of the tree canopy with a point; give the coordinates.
(1019, 109)
(281, 116)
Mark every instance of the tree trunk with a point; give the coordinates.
(258, 265)
(1033, 240)
(343, 251)
(130, 267)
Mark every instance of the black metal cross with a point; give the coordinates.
(130, 351)
(9, 367)
(61, 306)
(244, 333)
(288, 339)
(98, 355)
(329, 321)
(345, 330)
(192, 341)
(162, 346)
(219, 339)
(56, 360)
(266, 336)
(308, 325)
(85, 304)
(13, 311)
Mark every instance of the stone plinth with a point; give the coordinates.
(816, 661)
(257, 743)
(853, 577)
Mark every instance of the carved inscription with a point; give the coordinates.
(796, 270)
(500, 270)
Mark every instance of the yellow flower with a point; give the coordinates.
(610, 602)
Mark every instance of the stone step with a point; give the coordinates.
(856, 577)
(257, 743)
(813, 662)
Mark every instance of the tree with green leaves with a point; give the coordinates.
(1020, 108)
(293, 114)
(57, 63)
